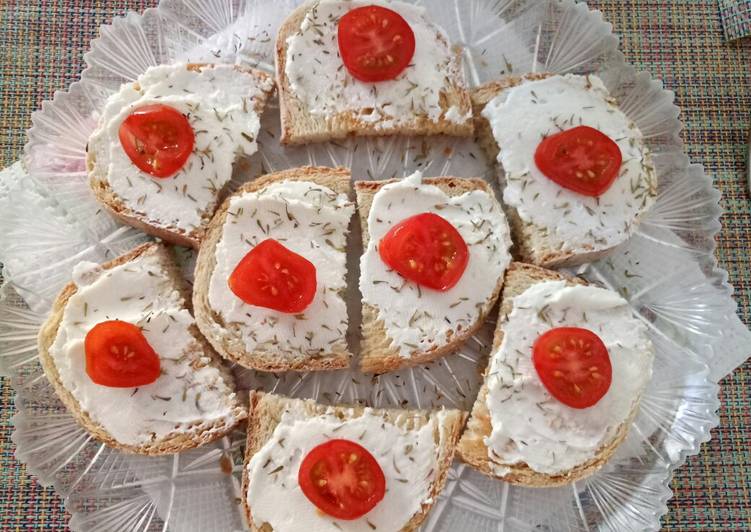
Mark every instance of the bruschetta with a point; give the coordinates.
(343, 467)
(577, 173)
(123, 353)
(368, 68)
(435, 250)
(165, 144)
(567, 370)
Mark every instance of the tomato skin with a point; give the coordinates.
(427, 250)
(375, 43)
(342, 479)
(274, 277)
(582, 159)
(119, 356)
(158, 139)
(574, 365)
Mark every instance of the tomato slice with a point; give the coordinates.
(375, 43)
(118, 355)
(342, 479)
(272, 276)
(158, 139)
(582, 159)
(574, 365)
(426, 249)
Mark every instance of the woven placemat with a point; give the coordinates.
(736, 18)
(679, 41)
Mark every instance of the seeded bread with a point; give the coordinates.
(129, 215)
(377, 354)
(530, 244)
(227, 338)
(266, 411)
(299, 126)
(202, 357)
(472, 448)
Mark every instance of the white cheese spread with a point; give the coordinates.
(320, 80)
(219, 102)
(419, 319)
(522, 116)
(408, 459)
(310, 220)
(183, 399)
(529, 425)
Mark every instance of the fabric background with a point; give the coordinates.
(680, 41)
(736, 18)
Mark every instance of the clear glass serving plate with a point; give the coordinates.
(667, 271)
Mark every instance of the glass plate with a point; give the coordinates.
(667, 272)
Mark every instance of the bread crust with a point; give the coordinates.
(231, 346)
(265, 412)
(114, 205)
(172, 443)
(377, 355)
(529, 245)
(299, 127)
(472, 449)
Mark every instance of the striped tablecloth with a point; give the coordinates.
(680, 41)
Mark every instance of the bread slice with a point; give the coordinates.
(472, 448)
(481, 96)
(266, 411)
(527, 241)
(300, 126)
(377, 354)
(227, 338)
(201, 356)
(530, 244)
(130, 214)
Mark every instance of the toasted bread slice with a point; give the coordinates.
(481, 96)
(186, 375)
(450, 114)
(138, 211)
(267, 411)
(228, 338)
(472, 447)
(531, 243)
(379, 353)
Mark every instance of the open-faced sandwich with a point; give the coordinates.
(333, 468)
(578, 175)
(367, 68)
(165, 145)
(271, 273)
(568, 367)
(435, 250)
(125, 357)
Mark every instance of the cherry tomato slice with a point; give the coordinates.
(574, 365)
(272, 276)
(158, 139)
(118, 355)
(375, 43)
(581, 159)
(342, 479)
(426, 249)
